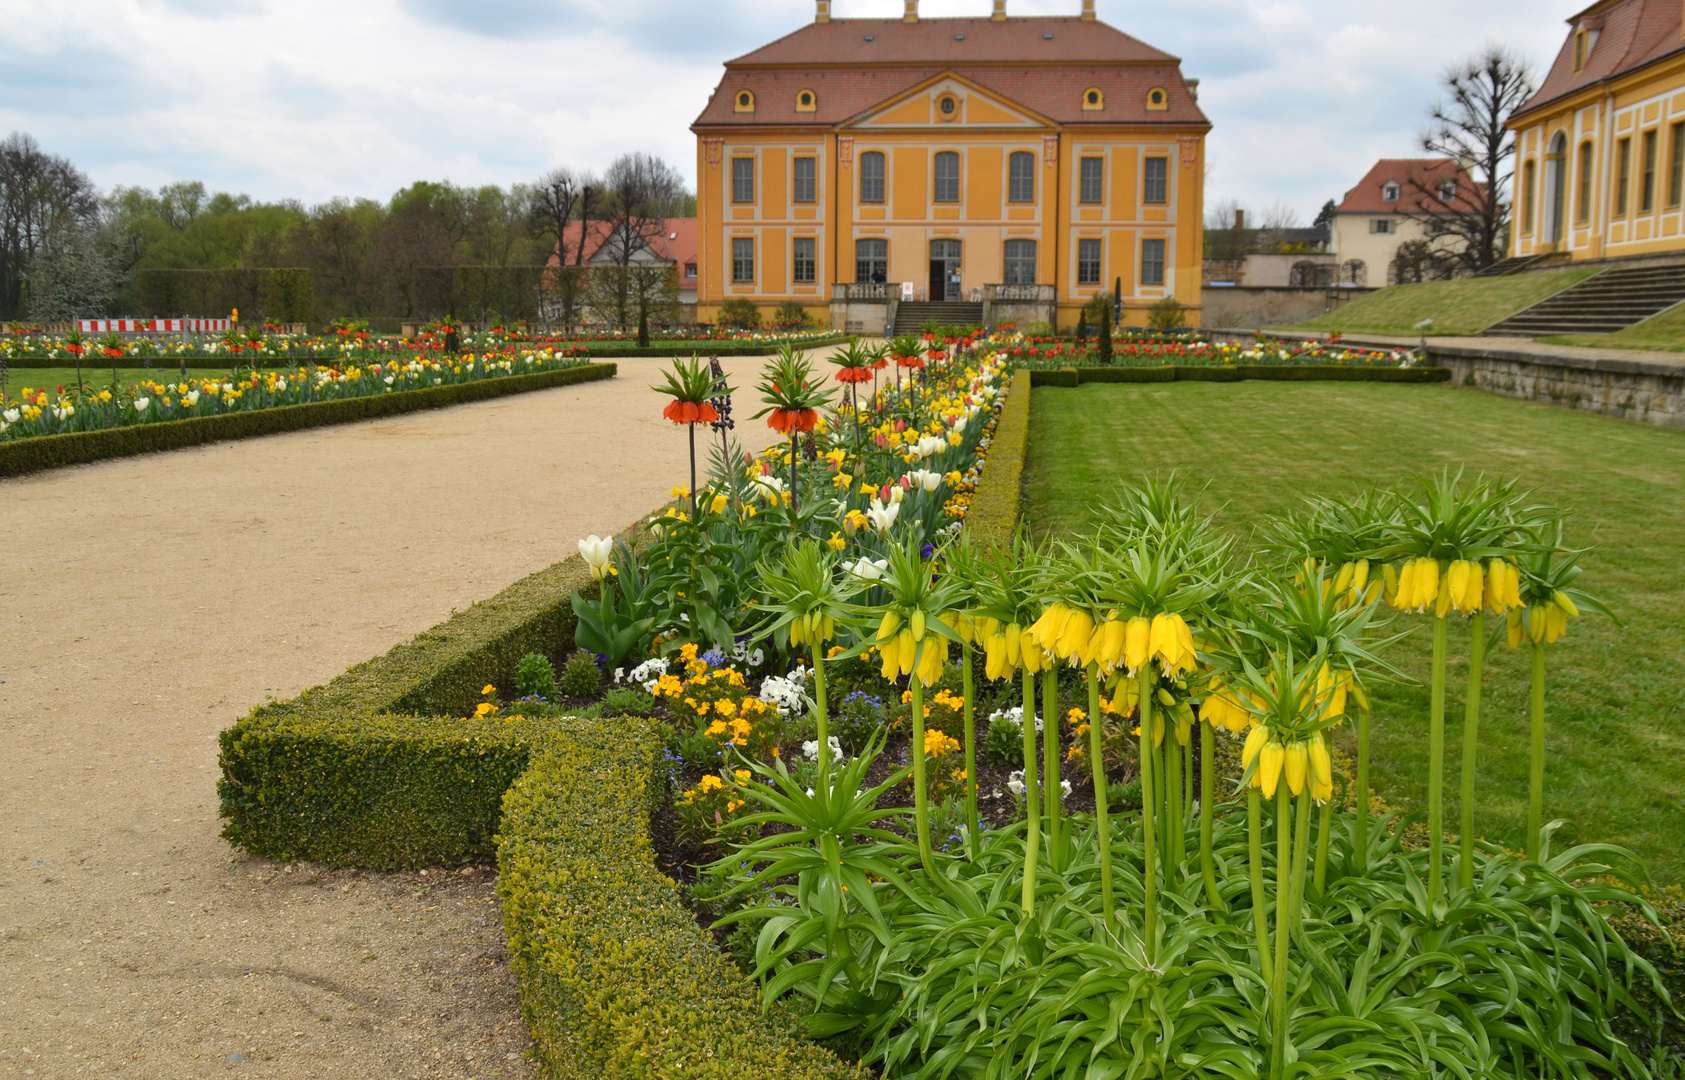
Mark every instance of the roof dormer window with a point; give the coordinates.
(1447, 190)
(745, 101)
(1389, 191)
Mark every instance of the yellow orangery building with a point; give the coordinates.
(1027, 163)
(1601, 147)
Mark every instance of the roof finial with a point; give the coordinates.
(1000, 11)
(824, 11)
(912, 12)
(1088, 11)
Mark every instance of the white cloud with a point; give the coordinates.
(313, 99)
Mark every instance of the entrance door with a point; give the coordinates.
(944, 269)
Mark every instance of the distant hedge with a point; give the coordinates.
(80, 447)
(703, 348)
(1072, 376)
(993, 514)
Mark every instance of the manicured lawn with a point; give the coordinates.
(97, 378)
(1616, 743)
(1664, 333)
(1456, 307)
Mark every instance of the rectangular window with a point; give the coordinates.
(1528, 172)
(1152, 262)
(1582, 200)
(1088, 262)
(743, 260)
(1093, 180)
(1155, 186)
(1623, 175)
(1647, 202)
(871, 261)
(1676, 167)
(742, 180)
(1021, 177)
(807, 184)
(947, 177)
(1579, 50)
(807, 261)
(1380, 226)
(871, 177)
(690, 271)
(1020, 263)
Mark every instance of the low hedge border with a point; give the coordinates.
(994, 511)
(617, 980)
(81, 447)
(1072, 376)
(165, 365)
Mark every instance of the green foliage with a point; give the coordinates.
(739, 313)
(616, 978)
(581, 678)
(1003, 744)
(77, 448)
(536, 677)
(790, 313)
(1124, 797)
(1167, 314)
(856, 719)
(628, 701)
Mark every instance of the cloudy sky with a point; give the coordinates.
(313, 99)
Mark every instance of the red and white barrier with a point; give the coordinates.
(152, 326)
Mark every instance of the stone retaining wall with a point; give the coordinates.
(1646, 391)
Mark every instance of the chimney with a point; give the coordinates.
(912, 12)
(1000, 12)
(1239, 219)
(1088, 11)
(824, 15)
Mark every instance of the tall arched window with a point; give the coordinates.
(1020, 262)
(871, 260)
(947, 177)
(1021, 177)
(1528, 172)
(1582, 201)
(871, 176)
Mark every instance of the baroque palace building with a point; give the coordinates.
(1601, 147)
(1030, 162)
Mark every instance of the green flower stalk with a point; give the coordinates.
(972, 829)
(1255, 857)
(1050, 784)
(1032, 810)
(1471, 743)
(1096, 757)
(1207, 813)
(1149, 871)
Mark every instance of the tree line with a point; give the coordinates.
(68, 250)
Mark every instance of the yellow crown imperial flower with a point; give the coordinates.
(1270, 759)
(1137, 647)
(1322, 771)
(1296, 765)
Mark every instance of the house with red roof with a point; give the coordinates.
(670, 243)
(1600, 147)
(1044, 160)
(1397, 203)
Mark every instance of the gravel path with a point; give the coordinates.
(147, 603)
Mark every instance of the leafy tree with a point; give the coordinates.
(45, 201)
(1325, 216)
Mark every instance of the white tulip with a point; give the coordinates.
(11, 415)
(868, 569)
(925, 480)
(191, 398)
(596, 552)
(141, 404)
(882, 517)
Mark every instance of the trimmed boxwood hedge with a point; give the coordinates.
(617, 980)
(993, 514)
(374, 769)
(704, 348)
(80, 447)
(1071, 376)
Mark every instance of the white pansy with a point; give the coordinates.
(1015, 783)
(810, 749)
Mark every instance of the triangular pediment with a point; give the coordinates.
(923, 106)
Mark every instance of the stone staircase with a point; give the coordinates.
(1505, 267)
(910, 317)
(1610, 301)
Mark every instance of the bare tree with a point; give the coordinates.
(555, 202)
(40, 196)
(1469, 127)
(645, 192)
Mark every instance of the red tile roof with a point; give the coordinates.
(849, 75)
(676, 245)
(1631, 35)
(1408, 173)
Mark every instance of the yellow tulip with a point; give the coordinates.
(1322, 771)
(1270, 759)
(1137, 644)
(1296, 765)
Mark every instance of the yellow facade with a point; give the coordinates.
(948, 114)
(1600, 173)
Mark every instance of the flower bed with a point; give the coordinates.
(1188, 351)
(25, 455)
